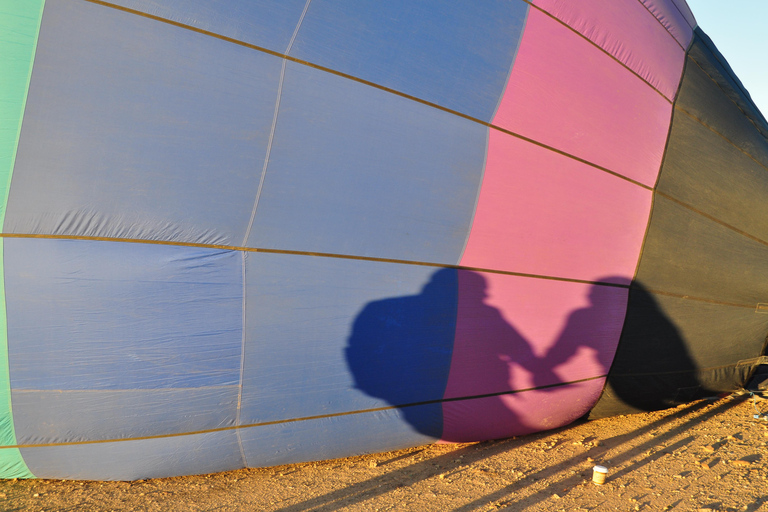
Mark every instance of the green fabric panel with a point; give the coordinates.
(19, 28)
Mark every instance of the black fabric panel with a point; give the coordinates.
(701, 97)
(655, 391)
(688, 254)
(705, 171)
(759, 381)
(704, 52)
(693, 325)
(702, 328)
(674, 350)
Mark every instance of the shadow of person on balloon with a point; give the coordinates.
(652, 368)
(401, 350)
(594, 329)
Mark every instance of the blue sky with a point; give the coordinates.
(739, 29)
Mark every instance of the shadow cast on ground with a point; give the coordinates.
(458, 459)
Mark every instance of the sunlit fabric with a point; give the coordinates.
(246, 233)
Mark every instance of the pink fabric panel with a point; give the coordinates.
(676, 17)
(568, 94)
(543, 213)
(522, 413)
(626, 30)
(516, 333)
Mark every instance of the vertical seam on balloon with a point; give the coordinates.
(242, 359)
(658, 174)
(660, 23)
(477, 196)
(298, 26)
(250, 225)
(266, 156)
(606, 52)
(16, 462)
(512, 64)
(647, 226)
(661, 168)
(488, 137)
(672, 117)
(274, 124)
(684, 16)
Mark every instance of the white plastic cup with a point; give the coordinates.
(598, 474)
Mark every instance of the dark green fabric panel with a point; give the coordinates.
(663, 331)
(702, 97)
(674, 350)
(704, 52)
(689, 255)
(19, 29)
(708, 173)
(655, 392)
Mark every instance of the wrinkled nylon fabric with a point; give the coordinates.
(630, 33)
(675, 16)
(366, 150)
(19, 26)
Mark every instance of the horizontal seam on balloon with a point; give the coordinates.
(563, 153)
(702, 299)
(127, 390)
(662, 25)
(306, 418)
(712, 218)
(609, 54)
(729, 141)
(725, 93)
(695, 370)
(365, 82)
(309, 253)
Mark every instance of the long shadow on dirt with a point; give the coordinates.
(458, 459)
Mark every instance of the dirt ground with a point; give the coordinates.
(708, 455)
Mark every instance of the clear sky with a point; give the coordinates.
(739, 29)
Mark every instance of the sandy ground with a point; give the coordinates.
(708, 455)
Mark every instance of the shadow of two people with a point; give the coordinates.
(401, 349)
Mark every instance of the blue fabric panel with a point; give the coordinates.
(356, 170)
(71, 416)
(329, 438)
(326, 336)
(457, 54)
(113, 315)
(266, 23)
(136, 460)
(139, 129)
